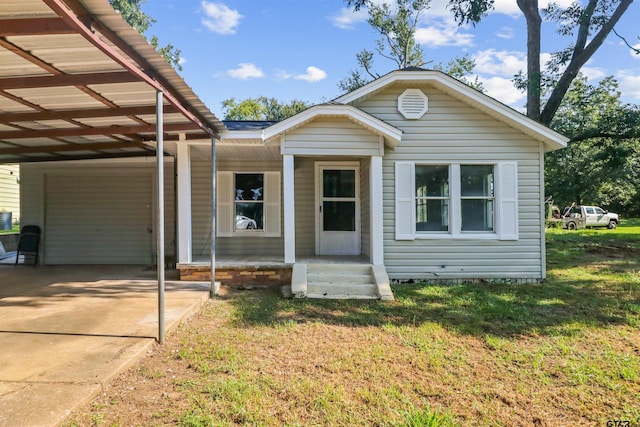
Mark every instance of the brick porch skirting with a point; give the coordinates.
(265, 276)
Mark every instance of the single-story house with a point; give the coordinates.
(413, 176)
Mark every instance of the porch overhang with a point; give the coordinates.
(392, 135)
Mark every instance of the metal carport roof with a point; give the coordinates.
(77, 82)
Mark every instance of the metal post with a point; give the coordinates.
(215, 289)
(160, 214)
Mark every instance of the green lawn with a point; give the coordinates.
(562, 352)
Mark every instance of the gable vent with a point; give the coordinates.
(413, 104)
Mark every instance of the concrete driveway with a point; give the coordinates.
(66, 331)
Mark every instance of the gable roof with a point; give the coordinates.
(466, 94)
(391, 134)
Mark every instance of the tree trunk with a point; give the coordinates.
(534, 24)
(580, 56)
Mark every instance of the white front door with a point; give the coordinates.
(337, 208)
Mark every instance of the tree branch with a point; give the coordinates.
(577, 61)
(635, 50)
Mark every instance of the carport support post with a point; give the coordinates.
(215, 288)
(160, 213)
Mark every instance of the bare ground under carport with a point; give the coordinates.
(66, 331)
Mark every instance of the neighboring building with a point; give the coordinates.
(10, 191)
(415, 174)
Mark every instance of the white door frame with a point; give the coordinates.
(319, 167)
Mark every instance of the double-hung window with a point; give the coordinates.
(456, 201)
(248, 204)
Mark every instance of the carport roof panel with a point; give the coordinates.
(74, 70)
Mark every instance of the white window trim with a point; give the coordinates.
(455, 217)
(272, 201)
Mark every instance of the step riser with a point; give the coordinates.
(341, 289)
(339, 269)
(342, 278)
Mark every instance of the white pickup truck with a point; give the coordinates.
(594, 216)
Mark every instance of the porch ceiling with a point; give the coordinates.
(77, 82)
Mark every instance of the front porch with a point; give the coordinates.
(330, 277)
(256, 270)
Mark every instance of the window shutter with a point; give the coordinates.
(224, 204)
(272, 204)
(405, 201)
(508, 200)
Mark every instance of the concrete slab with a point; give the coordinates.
(66, 331)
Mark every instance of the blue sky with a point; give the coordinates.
(302, 48)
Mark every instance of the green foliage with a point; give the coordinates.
(131, 11)
(396, 24)
(598, 166)
(262, 108)
(587, 23)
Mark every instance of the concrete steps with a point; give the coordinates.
(340, 281)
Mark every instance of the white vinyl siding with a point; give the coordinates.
(305, 206)
(97, 207)
(10, 190)
(452, 132)
(246, 244)
(332, 137)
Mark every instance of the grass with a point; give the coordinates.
(562, 352)
(14, 229)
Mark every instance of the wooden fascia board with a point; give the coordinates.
(111, 130)
(71, 147)
(61, 9)
(33, 116)
(34, 27)
(67, 80)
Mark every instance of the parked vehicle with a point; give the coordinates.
(245, 223)
(575, 217)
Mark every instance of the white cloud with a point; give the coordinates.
(629, 84)
(500, 62)
(283, 75)
(245, 71)
(442, 33)
(503, 90)
(346, 18)
(182, 61)
(220, 18)
(504, 62)
(313, 74)
(506, 7)
(505, 33)
(593, 73)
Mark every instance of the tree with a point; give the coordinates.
(131, 12)
(596, 168)
(589, 25)
(397, 26)
(261, 108)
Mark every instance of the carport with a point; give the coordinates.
(77, 82)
